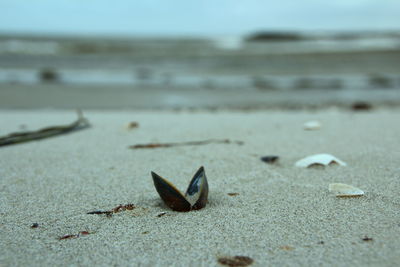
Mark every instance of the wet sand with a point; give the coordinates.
(281, 215)
(126, 97)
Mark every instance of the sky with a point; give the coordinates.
(195, 18)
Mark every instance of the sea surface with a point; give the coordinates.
(364, 64)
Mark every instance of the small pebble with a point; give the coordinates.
(161, 214)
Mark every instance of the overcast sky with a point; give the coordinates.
(200, 17)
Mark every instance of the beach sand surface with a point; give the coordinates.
(281, 215)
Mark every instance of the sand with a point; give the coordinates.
(282, 215)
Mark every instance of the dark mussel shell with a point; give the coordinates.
(195, 197)
(270, 159)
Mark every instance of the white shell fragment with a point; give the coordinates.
(345, 190)
(312, 125)
(319, 159)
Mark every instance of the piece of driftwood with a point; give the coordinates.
(192, 143)
(22, 137)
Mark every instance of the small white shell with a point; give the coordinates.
(312, 125)
(345, 190)
(319, 159)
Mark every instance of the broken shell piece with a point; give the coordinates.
(195, 197)
(345, 190)
(319, 160)
(312, 125)
(270, 159)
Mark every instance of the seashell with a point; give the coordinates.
(345, 190)
(195, 197)
(319, 160)
(270, 159)
(312, 125)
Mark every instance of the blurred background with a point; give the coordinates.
(209, 54)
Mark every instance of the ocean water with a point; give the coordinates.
(123, 77)
(347, 67)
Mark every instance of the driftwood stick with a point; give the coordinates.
(22, 137)
(191, 143)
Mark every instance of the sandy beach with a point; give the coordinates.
(278, 123)
(279, 214)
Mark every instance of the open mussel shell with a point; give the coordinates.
(195, 197)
